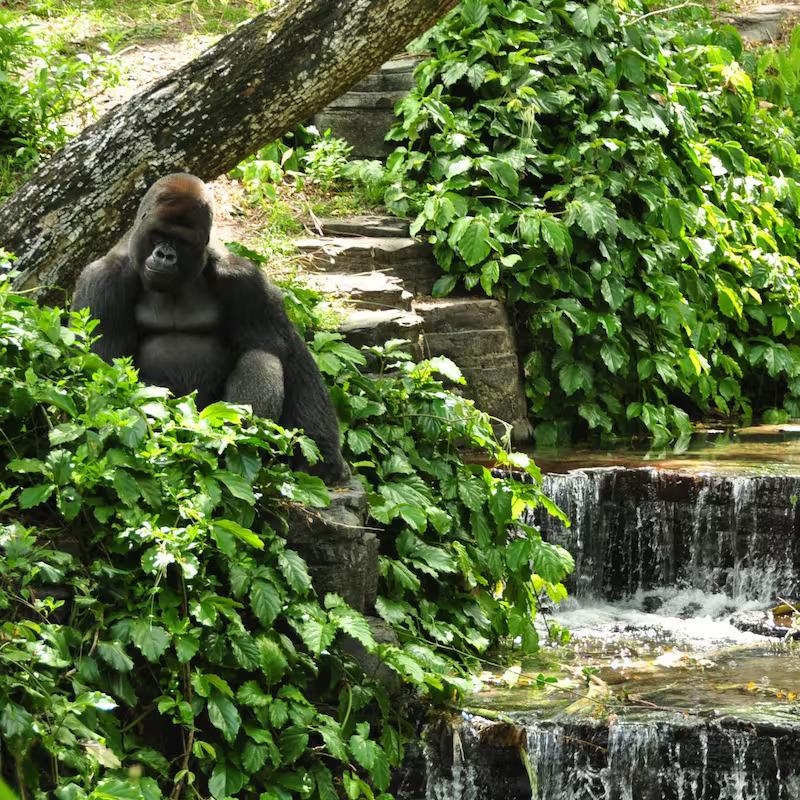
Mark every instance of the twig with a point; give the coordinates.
(663, 11)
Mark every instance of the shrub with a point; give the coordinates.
(37, 87)
(159, 637)
(613, 176)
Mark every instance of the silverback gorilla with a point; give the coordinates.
(195, 317)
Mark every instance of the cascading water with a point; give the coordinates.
(695, 706)
(634, 529)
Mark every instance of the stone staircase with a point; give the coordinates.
(363, 115)
(386, 277)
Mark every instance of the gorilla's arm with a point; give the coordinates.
(255, 320)
(110, 288)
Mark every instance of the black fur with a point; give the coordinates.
(208, 320)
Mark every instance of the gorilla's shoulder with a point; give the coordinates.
(238, 275)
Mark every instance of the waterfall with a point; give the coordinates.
(636, 529)
(696, 706)
(663, 760)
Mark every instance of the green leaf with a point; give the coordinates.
(573, 376)
(729, 302)
(614, 357)
(126, 487)
(294, 570)
(225, 781)
(116, 789)
(238, 486)
(151, 639)
(186, 647)
(562, 332)
(223, 715)
(317, 636)
(585, 19)
(254, 756)
(354, 624)
(35, 495)
(555, 233)
(595, 214)
(474, 243)
(444, 285)
(474, 12)
(273, 661)
(292, 743)
(265, 602)
(113, 653)
(243, 534)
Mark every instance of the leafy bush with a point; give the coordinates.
(37, 87)
(616, 179)
(159, 637)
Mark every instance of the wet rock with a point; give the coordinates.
(764, 623)
(664, 759)
(652, 603)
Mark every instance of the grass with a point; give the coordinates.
(72, 25)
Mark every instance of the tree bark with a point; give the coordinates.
(255, 84)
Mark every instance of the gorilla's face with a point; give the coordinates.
(173, 225)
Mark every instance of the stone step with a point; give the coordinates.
(375, 225)
(367, 289)
(370, 328)
(364, 129)
(455, 314)
(394, 75)
(357, 102)
(407, 259)
(473, 344)
(765, 23)
(476, 334)
(363, 116)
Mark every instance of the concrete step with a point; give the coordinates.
(765, 23)
(375, 225)
(405, 258)
(370, 328)
(368, 289)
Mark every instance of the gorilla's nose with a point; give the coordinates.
(166, 254)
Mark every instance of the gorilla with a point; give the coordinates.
(196, 317)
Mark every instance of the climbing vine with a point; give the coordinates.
(614, 177)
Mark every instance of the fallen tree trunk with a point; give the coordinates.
(255, 84)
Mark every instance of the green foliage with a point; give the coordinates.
(160, 638)
(37, 87)
(302, 156)
(448, 544)
(776, 72)
(618, 181)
